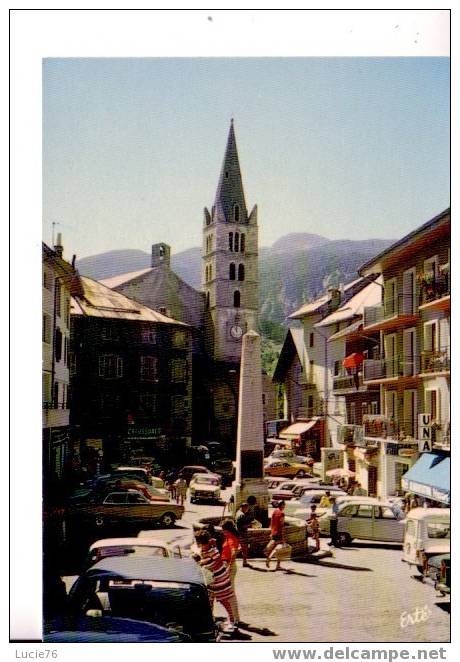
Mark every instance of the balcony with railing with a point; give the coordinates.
(384, 427)
(435, 290)
(347, 383)
(435, 362)
(441, 436)
(55, 414)
(394, 367)
(392, 313)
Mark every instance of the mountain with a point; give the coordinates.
(295, 269)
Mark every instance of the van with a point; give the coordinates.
(427, 532)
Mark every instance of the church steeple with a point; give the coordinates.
(230, 204)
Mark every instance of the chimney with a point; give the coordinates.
(335, 297)
(161, 254)
(59, 248)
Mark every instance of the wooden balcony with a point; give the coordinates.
(383, 427)
(389, 369)
(435, 363)
(435, 291)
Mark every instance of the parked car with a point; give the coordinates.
(438, 571)
(427, 533)
(97, 628)
(307, 486)
(283, 491)
(129, 507)
(366, 519)
(205, 487)
(169, 592)
(274, 481)
(190, 469)
(136, 472)
(301, 507)
(224, 468)
(289, 456)
(98, 487)
(288, 469)
(134, 547)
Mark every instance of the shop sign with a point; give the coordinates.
(94, 443)
(407, 452)
(427, 491)
(425, 443)
(146, 433)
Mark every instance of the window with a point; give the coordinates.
(179, 339)
(210, 272)
(57, 296)
(46, 329)
(364, 511)
(116, 497)
(136, 498)
(336, 366)
(237, 242)
(353, 413)
(206, 275)
(374, 407)
(230, 241)
(109, 332)
(110, 366)
(242, 243)
(348, 511)
(241, 272)
(236, 213)
(58, 345)
(312, 341)
(232, 271)
(148, 368)
(178, 370)
(66, 348)
(179, 403)
(208, 301)
(148, 335)
(236, 299)
(147, 402)
(55, 395)
(72, 363)
(384, 513)
(47, 280)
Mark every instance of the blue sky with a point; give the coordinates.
(345, 147)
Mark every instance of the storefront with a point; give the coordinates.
(429, 477)
(306, 437)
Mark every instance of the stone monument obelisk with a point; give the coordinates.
(249, 478)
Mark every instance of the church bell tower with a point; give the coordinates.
(229, 274)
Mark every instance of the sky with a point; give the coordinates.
(346, 147)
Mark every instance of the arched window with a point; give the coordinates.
(236, 299)
(206, 278)
(242, 242)
(207, 300)
(232, 271)
(210, 272)
(241, 272)
(237, 242)
(236, 213)
(230, 240)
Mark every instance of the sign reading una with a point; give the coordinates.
(425, 443)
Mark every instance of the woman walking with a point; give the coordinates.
(220, 588)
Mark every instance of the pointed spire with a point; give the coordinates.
(230, 192)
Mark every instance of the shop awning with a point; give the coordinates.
(279, 442)
(353, 360)
(296, 429)
(429, 477)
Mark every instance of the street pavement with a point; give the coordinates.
(363, 593)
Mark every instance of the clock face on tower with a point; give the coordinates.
(236, 332)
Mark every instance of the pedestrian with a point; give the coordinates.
(230, 550)
(277, 533)
(181, 489)
(220, 587)
(216, 535)
(333, 523)
(243, 523)
(325, 501)
(256, 512)
(359, 490)
(313, 528)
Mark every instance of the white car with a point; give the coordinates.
(288, 455)
(301, 507)
(366, 519)
(427, 534)
(145, 546)
(205, 487)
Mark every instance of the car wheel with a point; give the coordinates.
(343, 539)
(300, 474)
(192, 499)
(168, 519)
(99, 521)
(421, 569)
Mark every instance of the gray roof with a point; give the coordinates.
(230, 187)
(152, 568)
(97, 300)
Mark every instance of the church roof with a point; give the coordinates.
(114, 281)
(230, 187)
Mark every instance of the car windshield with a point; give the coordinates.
(125, 550)
(438, 529)
(205, 480)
